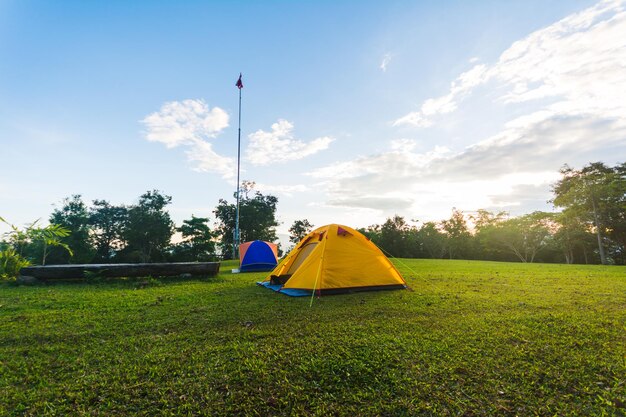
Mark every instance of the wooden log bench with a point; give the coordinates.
(51, 272)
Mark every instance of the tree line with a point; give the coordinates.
(589, 228)
(102, 232)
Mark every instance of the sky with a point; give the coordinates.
(352, 111)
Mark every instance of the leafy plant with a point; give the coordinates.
(11, 262)
(45, 236)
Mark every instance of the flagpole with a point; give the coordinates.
(236, 236)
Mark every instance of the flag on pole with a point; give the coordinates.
(239, 83)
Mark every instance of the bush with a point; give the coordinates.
(10, 263)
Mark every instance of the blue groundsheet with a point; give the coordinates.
(292, 292)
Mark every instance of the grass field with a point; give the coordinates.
(471, 338)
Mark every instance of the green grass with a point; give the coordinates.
(471, 338)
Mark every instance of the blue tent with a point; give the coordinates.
(257, 256)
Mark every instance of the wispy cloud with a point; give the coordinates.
(205, 159)
(460, 87)
(287, 190)
(403, 145)
(386, 60)
(279, 145)
(191, 123)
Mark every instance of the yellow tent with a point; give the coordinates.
(334, 259)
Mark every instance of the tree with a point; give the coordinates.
(616, 214)
(197, 244)
(522, 236)
(299, 229)
(73, 216)
(393, 237)
(148, 230)
(597, 195)
(484, 223)
(107, 223)
(484, 218)
(257, 218)
(433, 240)
(457, 233)
(572, 237)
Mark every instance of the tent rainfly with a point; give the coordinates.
(334, 259)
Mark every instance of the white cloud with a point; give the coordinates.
(279, 145)
(386, 60)
(190, 123)
(447, 103)
(184, 122)
(578, 62)
(386, 203)
(207, 160)
(416, 119)
(390, 165)
(403, 145)
(287, 190)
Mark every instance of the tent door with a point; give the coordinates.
(279, 279)
(301, 257)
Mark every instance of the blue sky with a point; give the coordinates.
(352, 111)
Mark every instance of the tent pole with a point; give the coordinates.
(319, 270)
(236, 234)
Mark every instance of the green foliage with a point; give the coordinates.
(394, 237)
(33, 243)
(523, 236)
(596, 194)
(107, 222)
(573, 238)
(457, 234)
(11, 262)
(472, 338)
(484, 224)
(73, 216)
(257, 218)
(148, 229)
(299, 229)
(197, 244)
(17, 237)
(433, 240)
(51, 236)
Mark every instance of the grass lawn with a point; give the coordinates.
(471, 338)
